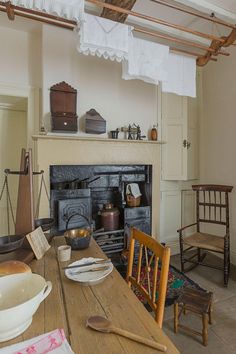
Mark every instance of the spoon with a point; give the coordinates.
(102, 324)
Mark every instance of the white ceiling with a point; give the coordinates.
(229, 5)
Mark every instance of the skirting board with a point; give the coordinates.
(174, 246)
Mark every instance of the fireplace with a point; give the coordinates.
(77, 190)
(61, 150)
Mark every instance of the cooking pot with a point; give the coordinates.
(10, 243)
(110, 217)
(78, 238)
(84, 184)
(60, 185)
(77, 183)
(45, 223)
(74, 184)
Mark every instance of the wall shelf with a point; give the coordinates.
(84, 138)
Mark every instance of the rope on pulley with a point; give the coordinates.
(8, 201)
(42, 185)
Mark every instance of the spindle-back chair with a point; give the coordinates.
(212, 208)
(153, 262)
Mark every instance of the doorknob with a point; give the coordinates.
(186, 144)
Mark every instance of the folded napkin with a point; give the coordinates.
(53, 342)
(181, 77)
(133, 189)
(145, 61)
(102, 37)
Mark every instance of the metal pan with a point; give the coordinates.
(85, 184)
(10, 243)
(45, 223)
(74, 184)
(59, 185)
(77, 183)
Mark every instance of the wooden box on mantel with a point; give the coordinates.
(63, 99)
(94, 123)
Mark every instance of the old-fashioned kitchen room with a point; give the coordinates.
(117, 176)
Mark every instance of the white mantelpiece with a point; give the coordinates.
(73, 150)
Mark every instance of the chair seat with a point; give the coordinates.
(197, 300)
(205, 241)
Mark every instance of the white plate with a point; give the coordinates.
(89, 278)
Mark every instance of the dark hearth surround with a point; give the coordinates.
(108, 184)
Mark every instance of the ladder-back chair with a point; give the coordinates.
(150, 275)
(212, 208)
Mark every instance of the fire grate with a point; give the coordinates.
(110, 241)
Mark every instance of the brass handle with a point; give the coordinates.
(186, 144)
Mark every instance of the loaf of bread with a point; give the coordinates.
(12, 267)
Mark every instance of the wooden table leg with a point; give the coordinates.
(176, 317)
(204, 329)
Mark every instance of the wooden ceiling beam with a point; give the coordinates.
(116, 16)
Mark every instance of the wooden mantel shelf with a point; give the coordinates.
(84, 138)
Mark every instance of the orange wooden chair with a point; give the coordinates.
(150, 255)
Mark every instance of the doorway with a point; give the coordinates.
(13, 136)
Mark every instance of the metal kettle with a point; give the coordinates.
(110, 217)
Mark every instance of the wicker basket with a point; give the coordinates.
(132, 201)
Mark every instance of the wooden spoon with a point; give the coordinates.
(102, 324)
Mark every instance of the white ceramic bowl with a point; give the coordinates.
(20, 297)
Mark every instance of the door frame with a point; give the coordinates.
(32, 96)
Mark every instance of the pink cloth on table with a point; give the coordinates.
(45, 345)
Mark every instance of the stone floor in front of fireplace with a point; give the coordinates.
(221, 334)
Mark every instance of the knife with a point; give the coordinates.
(92, 270)
(101, 261)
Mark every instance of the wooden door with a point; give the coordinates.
(179, 132)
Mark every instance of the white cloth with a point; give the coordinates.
(52, 342)
(103, 37)
(69, 9)
(181, 77)
(133, 189)
(145, 61)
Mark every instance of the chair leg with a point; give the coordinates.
(226, 267)
(204, 329)
(181, 252)
(176, 317)
(226, 274)
(199, 255)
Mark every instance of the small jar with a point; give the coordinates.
(154, 133)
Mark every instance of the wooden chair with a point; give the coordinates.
(212, 208)
(150, 252)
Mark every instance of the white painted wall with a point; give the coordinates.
(218, 127)
(98, 82)
(20, 62)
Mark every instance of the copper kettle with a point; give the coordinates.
(110, 217)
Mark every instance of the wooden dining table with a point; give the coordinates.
(70, 303)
